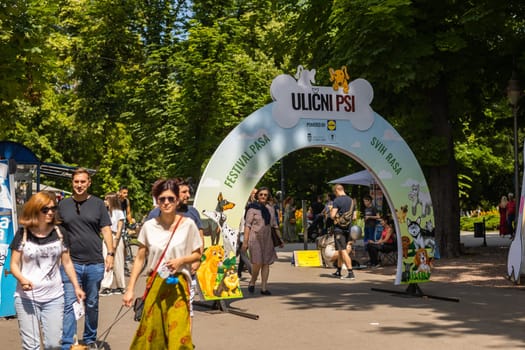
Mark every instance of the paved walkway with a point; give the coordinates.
(311, 310)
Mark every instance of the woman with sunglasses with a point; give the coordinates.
(172, 243)
(38, 249)
(260, 218)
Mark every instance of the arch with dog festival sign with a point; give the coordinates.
(339, 117)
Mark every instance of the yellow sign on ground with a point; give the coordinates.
(308, 258)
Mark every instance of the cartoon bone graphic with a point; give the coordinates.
(284, 86)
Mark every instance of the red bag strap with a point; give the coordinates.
(154, 272)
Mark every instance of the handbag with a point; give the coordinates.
(138, 304)
(138, 307)
(276, 239)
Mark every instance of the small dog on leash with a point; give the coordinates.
(77, 346)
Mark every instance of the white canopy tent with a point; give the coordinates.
(49, 188)
(362, 177)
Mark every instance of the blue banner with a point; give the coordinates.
(7, 231)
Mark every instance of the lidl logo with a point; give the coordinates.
(331, 125)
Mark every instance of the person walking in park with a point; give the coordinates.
(502, 208)
(114, 277)
(260, 218)
(342, 204)
(244, 259)
(511, 215)
(39, 247)
(84, 217)
(172, 243)
(289, 220)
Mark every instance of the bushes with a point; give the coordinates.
(491, 221)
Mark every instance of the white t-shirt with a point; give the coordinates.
(116, 215)
(40, 265)
(185, 240)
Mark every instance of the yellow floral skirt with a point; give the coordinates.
(165, 322)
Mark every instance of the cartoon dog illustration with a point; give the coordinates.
(405, 243)
(402, 213)
(421, 261)
(417, 197)
(211, 228)
(229, 285)
(305, 77)
(213, 257)
(230, 236)
(340, 78)
(414, 229)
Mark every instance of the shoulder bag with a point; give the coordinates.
(138, 305)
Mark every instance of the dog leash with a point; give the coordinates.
(117, 318)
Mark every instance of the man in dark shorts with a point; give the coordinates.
(342, 204)
(85, 216)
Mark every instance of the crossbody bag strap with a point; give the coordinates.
(154, 272)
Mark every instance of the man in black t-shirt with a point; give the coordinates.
(84, 217)
(342, 204)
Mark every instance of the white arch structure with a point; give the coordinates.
(305, 116)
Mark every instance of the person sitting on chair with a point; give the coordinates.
(385, 244)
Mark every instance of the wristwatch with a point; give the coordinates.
(111, 254)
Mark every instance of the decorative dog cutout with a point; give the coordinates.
(213, 228)
(230, 236)
(212, 258)
(340, 78)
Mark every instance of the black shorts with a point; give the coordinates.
(341, 239)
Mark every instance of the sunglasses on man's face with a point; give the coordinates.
(46, 210)
(263, 194)
(168, 199)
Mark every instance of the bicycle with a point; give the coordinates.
(131, 246)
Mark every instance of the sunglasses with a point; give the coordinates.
(166, 199)
(263, 194)
(46, 210)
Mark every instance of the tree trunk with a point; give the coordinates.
(443, 180)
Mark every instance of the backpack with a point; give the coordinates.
(344, 220)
